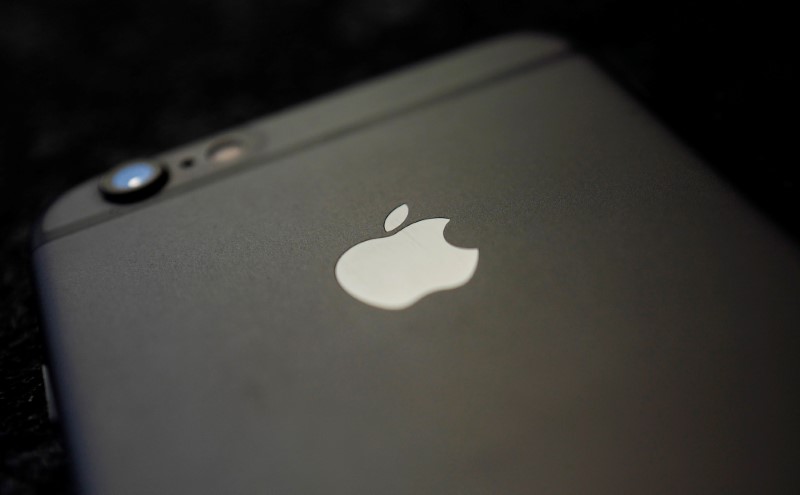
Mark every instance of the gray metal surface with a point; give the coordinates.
(630, 328)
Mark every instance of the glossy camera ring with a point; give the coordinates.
(133, 181)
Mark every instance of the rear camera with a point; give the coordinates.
(133, 181)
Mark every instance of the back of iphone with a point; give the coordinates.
(493, 273)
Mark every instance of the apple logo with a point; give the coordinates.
(396, 271)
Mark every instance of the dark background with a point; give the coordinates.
(87, 84)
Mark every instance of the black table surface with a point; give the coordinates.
(88, 84)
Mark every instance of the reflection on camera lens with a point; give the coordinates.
(133, 181)
(133, 176)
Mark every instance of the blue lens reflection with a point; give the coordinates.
(134, 176)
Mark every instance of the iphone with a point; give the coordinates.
(493, 272)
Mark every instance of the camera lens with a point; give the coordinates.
(133, 181)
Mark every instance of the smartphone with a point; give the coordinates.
(490, 273)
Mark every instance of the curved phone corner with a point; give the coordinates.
(67, 208)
